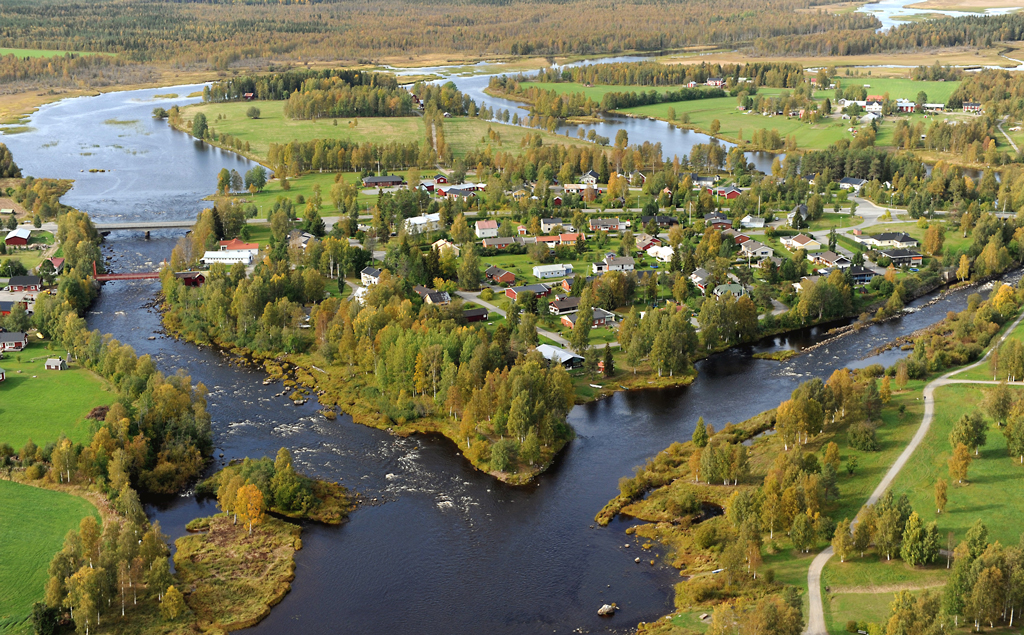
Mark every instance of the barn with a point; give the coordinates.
(18, 237)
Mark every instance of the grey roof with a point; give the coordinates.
(849, 180)
(15, 336)
(372, 180)
(901, 253)
(25, 281)
(371, 271)
(902, 237)
(571, 302)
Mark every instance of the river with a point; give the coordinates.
(444, 549)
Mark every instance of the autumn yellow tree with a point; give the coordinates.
(959, 463)
(249, 504)
(964, 270)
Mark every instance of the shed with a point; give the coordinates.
(56, 363)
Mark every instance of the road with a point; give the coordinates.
(474, 297)
(816, 618)
(1000, 126)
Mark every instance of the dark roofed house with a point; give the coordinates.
(383, 181)
(899, 240)
(601, 318)
(369, 275)
(663, 222)
(564, 305)
(475, 315)
(860, 275)
(502, 241)
(191, 278)
(6, 308)
(904, 257)
(830, 259)
(539, 290)
(499, 275)
(851, 183)
(24, 283)
(14, 341)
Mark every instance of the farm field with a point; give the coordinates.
(42, 405)
(599, 91)
(34, 522)
(43, 52)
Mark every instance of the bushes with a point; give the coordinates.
(503, 455)
(862, 437)
(35, 472)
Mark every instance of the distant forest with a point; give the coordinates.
(217, 35)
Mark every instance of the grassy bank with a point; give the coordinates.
(33, 523)
(44, 404)
(234, 577)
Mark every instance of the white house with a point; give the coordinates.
(423, 224)
(590, 178)
(754, 249)
(444, 244)
(851, 183)
(240, 245)
(752, 222)
(662, 253)
(487, 229)
(800, 241)
(612, 262)
(547, 225)
(227, 257)
(552, 271)
(369, 276)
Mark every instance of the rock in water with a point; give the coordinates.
(606, 611)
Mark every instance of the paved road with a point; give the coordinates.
(474, 296)
(816, 618)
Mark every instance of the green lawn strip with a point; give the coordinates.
(44, 404)
(953, 241)
(897, 87)
(597, 92)
(829, 220)
(33, 523)
(469, 134)
(992, 475)
(44, 52)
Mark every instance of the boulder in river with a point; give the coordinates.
(607, 610)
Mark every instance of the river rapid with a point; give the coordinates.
(440, 548)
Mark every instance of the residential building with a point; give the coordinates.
(383, 181)
(567, 283)
(703, 181)
(369, 276)
(423, 224)
(905, 105)
(564, 305)
(486, 228)
(191, 278)
(499, 275)
(737, 290)
(729, 193)
(560, 356)
(851, 183)
(664, 222)
(700, 278)
(715, 81)
(14, 341)
(227, 257)
(904, 257)
(860, 275)
(662, 253)
(547, 225)
(752, 222)
(972, 106)
(503, 241)
(606, 224)
(590, 178)
(440, 179)
(240, 245)
(804, 282)
(645, 241)
(612, 262)
(717, 220)
(799, 209)
(800, 241)
(18, 237)
(444, 244)
(475, 315)
(897, 240)
(538, 290)
(754, 249)
(552, 271)
(58, 264)
(830, 259)
(601, 318)
(24, 283)
(299, 239)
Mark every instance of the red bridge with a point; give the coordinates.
(142, 275)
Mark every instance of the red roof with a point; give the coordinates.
(57, 262)
(487, 224)
(235, 243)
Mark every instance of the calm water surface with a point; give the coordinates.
(445, 549)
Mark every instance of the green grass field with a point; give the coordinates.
(43, 52)
(897, 87)
(40, 404)
(274, 127)
(467, 134)
(953, 242)
(33, 523)
(597, 93)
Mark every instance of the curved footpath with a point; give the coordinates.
(816, 617)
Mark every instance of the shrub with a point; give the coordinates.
(851, 626)
(706, 536)
(503, 455)
(35, 472)
(487, 294)
(862, 437)
(253, 112)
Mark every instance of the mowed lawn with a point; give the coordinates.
(43, 52)
(897, 87)
(995, 489)
(43, 404)
(33, 523)
(598, 92)
(954, 239)
(469, 134)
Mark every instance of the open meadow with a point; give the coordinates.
(41, 404)
(33, 523)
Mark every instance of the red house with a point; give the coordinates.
(499, 275)
(601, 318)
(191, 278)
(13, 341)
(24, 283)
(539, 290)
(475, 315)
(440, 179)
(726, 192)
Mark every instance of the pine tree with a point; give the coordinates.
(609, 362)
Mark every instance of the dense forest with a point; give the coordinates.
(774, 74)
